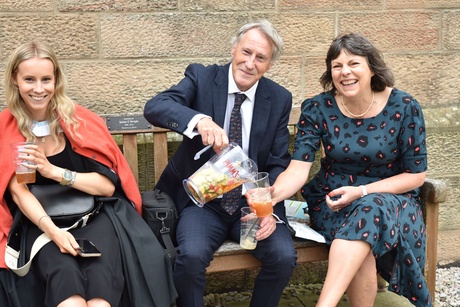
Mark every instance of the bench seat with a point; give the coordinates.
(231, 256)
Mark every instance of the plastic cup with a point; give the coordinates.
(258, 194)
(249, 227)
(23, 173)
(260, 180)
(222, 173)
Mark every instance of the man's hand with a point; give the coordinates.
(212, 134)
(267, 227)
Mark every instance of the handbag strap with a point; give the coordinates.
(12, 255)
(169, 245)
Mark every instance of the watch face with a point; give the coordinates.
(67, 175)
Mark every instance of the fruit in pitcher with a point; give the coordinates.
(212, 184)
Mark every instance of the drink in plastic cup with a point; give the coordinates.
(249, 226)
(261, 201)
(222, 173)
(23, 173)
(258, 194)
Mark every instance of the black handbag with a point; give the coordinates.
(68, 208)
(64, 205)
(159, 211)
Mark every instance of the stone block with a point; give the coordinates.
(287, 71)
(313, 70)
(304, 33)
(243, 280)
(429, 77)
(443, 153)
(330, 5)
(396, 30)
(118, 87)
(26, 6)
(227, 281)
(225, 6)
(443, 117)
(69, 35)
(451, 30)
(118, 6)
(426, 4)
(168, 35)
(449, 211)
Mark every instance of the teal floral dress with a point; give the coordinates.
(361, 151)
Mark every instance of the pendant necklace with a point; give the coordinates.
(41, 129)
(362, 114)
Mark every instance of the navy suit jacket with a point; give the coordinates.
(204, 90)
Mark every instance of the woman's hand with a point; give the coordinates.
(342, 197)
(33, 154)
(65, 241)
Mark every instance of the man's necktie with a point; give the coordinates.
(231, 199)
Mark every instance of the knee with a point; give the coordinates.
(193, 262)
(282, 259)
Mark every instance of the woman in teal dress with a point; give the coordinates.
(364, 199)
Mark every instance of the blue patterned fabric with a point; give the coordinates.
(361, 151)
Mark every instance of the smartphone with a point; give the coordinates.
(87, 248)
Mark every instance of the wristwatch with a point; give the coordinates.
(67, 178)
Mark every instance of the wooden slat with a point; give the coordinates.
(224, 263)
(160, 153)
(231, 256)
(130, 153)
(431, 217)
(312, 253)
(294, 116)
(433, 192)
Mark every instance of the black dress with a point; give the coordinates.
(361, 151)
(65, 275)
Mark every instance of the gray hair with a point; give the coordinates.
(268, 30)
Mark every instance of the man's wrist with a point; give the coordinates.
(191, 130)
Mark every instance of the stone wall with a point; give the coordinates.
(118, 54)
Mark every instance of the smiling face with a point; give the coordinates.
(351, 75)
(36, 82)
(251, 58)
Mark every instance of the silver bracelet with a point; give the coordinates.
(40, 219)
(363, 188)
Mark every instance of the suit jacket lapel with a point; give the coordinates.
(219, 95)
(262, 107)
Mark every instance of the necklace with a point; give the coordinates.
(362, 114)
(41, 129)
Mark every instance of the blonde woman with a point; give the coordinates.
(74, 148)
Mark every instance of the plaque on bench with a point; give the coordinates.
(127, 123)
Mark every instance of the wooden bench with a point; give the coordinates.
(230, 256)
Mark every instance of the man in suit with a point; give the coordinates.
(199, 107)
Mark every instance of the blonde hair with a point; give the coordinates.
(60, 104)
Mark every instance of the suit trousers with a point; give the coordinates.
(201, 231)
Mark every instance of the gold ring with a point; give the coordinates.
(337, 210)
